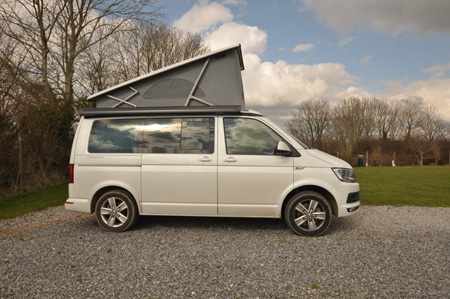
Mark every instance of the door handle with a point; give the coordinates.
(230, 159)
(205, 159)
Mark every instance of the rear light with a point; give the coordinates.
(71, 174)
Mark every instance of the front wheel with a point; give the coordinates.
(116, 211)
(308, 214)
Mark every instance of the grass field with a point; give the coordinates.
(427, 186)
(33, 201)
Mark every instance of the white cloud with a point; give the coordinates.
(389, 17)
(252, 39)
(365, 60)
(303, 48)
(346, 40)
(434, 91)
(203, 16)
(274, 88)
(438, 70)
(269, 84)
(302, 9)
(234, 2)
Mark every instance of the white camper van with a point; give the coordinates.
(202, 158)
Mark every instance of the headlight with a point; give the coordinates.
(345, 174)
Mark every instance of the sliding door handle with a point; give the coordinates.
(230, 159)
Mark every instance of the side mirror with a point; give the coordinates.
(283, 149)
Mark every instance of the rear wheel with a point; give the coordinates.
(116, 211)
(308, 214)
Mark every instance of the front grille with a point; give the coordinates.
(353, 197)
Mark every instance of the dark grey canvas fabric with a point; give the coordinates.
(209, 80)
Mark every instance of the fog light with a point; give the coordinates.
(352, 209)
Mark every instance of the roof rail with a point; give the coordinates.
(102, 112)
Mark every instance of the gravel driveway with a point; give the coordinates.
(380, 252)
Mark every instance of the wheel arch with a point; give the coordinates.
(103, 190)
(329, 197)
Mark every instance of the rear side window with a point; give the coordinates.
(179, 135)
(116, 136)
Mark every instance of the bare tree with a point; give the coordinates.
(406, 131)
(96, 68)
(84, 23)
(63, 29)
(31, 25)
(149, 48)
(310, 121)
(384, 114)
(421, 149)
(411, 116)
(352, 122)
(432, 126)
(8, 108)
(128, 54)
(433, 130)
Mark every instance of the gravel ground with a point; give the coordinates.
(379, 252)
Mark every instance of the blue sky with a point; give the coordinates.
(295, 50)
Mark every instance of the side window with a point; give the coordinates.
(180, 135)
(245, 136)
(115, 136)
(195, 135)
(162, 135)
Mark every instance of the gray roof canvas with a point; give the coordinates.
(212, 79)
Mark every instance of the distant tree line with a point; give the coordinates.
(384, 131)
(53, 54)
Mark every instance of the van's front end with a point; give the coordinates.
(328, 175)
(331, 173)
(324, 186)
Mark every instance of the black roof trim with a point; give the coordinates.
(102, 112)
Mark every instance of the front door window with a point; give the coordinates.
(245, 136)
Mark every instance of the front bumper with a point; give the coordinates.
(349, 202)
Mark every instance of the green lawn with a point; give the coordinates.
(33, 201)
(427, 186)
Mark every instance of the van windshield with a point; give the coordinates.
(295, 138)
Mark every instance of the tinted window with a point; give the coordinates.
(180, 135)
(115, 136)
(163, 135)
(246, 136)
(195, 135)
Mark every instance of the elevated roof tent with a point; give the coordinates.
(212, 79)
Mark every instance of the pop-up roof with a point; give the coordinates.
(213, 79)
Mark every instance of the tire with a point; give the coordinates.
(308, 214)
(116, 211)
